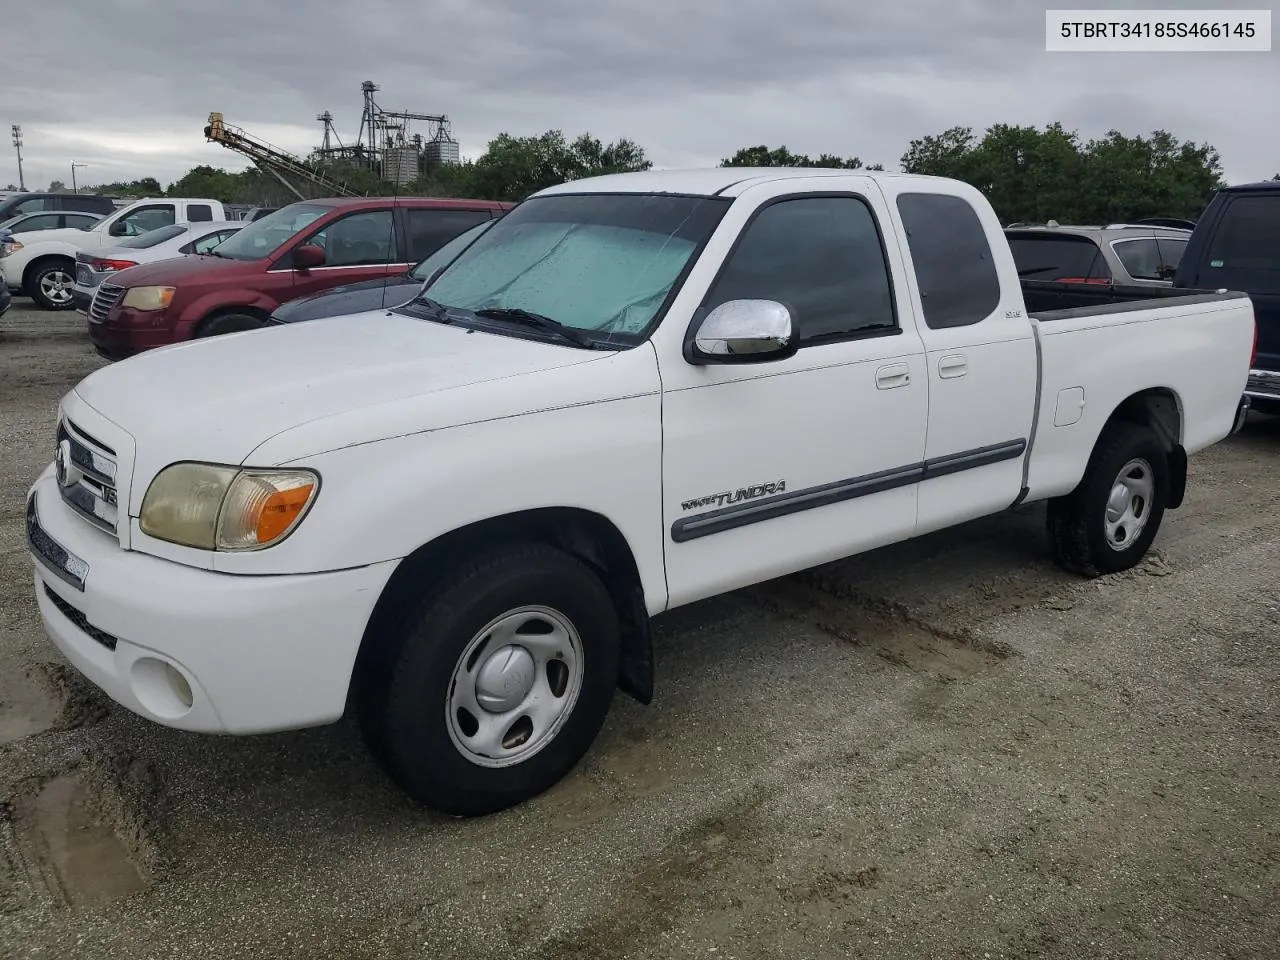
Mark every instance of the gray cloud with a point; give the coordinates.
(126, 85)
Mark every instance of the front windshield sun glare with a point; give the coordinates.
(600, 264)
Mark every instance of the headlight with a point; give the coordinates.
(9, 247)
(148, 298)
(215, 507)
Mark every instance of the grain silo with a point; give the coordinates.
(400, 164)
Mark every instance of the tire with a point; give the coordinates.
(228, 323)
(1084, 533)
(50, 283)
(420, 707)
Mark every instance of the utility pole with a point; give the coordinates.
(17, 143)
(74, 188)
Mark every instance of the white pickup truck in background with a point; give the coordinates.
(457, 517)
(43, 266)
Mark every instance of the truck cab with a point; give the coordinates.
(457, 516)
(44, 269)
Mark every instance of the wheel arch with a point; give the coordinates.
(590, 536)
(247, 309)
(1160, 409)
(30, 270)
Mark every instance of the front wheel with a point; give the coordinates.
(501, 681)
(51, 284)
(1108, 522)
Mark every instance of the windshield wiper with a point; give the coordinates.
(538, 321)
(438, 311)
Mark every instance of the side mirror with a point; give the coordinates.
(118, 229)
(743, 331)
(307, 256)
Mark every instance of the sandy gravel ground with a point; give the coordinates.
(947, 749)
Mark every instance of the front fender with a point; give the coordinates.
(205, 304)
(381, 501)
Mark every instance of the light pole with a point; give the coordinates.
(17, 144)
(74, 188)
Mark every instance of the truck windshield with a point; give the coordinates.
(264, 237)
(603, 264)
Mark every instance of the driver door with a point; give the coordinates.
(359, 246)
(776, 465)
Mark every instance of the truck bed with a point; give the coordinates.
(1049, 300)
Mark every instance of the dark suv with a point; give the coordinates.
(54, 202)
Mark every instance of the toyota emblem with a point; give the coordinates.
(61, 462)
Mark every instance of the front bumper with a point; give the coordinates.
(9, 276)
(126, 332)
(190, 648)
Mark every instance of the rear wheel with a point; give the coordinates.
(1108, 522)
(50, 284)
(228, 323)
(497, 684)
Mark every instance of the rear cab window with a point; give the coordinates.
(954, 267)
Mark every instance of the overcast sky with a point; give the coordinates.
(125, 86)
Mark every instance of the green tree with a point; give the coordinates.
(514, 167)
(948, 154)
(213, 183)
(765, 156)
(1035, 175)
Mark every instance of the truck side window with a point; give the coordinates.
(199, 213)
(822, 257)
(954, 268)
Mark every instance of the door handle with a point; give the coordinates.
(893, 375)
(953, 365)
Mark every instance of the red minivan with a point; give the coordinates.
(298, 250)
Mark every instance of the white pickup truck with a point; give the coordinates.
(457, 517)
(43, 265)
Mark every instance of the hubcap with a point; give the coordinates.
(1129, 505)
(514, 686)
(56, 285)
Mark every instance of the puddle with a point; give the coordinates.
(68, 851)
(27, 707)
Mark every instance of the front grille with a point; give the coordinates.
(86, 471)
(107, 296)
(80, 620)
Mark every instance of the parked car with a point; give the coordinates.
(55, 203)
(632, 393)
(1131, 255)
(301, 249)
(1235, 246)
(355, 298)
(39, 222)
(44, 268)
(163, 243)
